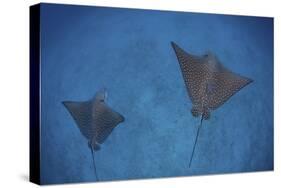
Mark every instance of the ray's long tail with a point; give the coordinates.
(198, 130)
(94, 162)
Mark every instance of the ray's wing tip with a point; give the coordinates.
(64, 103)
(249, 80)
(122, 118)
(174, 45)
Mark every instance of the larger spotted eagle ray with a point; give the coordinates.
(95, 119)
(209, 84)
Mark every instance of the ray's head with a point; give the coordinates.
(101, 95)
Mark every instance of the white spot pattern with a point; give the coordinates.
(208, 82)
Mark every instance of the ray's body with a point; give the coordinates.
(208, 82)
(95, 120)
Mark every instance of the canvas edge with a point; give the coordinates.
(34, 94)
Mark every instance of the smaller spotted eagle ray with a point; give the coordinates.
(209, 84)
(95, 120)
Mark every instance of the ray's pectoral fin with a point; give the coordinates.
(81, 113)
(107, 121)
(226, 85)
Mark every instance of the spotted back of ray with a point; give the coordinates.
(95, 119)
(208, 82)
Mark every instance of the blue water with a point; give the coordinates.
(128, 51)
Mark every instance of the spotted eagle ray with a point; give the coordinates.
(95, 120)
(209, 84)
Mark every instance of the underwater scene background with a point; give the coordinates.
(128, 51)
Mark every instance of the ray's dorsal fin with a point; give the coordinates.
(82, 114)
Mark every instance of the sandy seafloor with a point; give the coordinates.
(128, 51)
